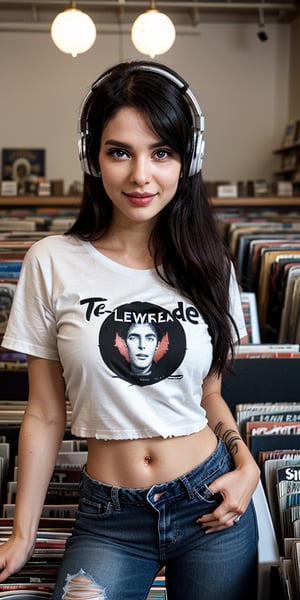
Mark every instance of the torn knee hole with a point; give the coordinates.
(82, 586)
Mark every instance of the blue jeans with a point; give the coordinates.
(124, 536)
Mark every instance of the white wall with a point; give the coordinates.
(242, 86)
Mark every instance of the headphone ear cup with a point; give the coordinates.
(86, 164)
(81, 151)
(197, 155)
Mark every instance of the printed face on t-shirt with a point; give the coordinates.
(142, 342)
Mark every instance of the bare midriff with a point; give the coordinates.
(146, 462)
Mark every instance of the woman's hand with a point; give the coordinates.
(236, 488)
(13, 555)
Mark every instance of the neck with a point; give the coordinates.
(127, 246)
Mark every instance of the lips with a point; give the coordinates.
(140, 199)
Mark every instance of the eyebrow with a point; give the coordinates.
(119, 144)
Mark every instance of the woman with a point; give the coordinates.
(168, 480)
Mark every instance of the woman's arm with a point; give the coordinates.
(237, 486)
(41, 433)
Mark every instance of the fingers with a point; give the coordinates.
(214, 522)
(11, 559)
(233, 504)
(236, 520)
(4, 574)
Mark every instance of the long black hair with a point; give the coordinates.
(188, 251)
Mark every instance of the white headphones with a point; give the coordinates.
(198, 143)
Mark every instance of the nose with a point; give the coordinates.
(141, 344)
(140, 171)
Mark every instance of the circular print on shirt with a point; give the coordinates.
(142, 343)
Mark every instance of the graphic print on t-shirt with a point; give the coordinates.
(142, 343)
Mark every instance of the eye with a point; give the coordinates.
(163, 153)
(151, 338)
(118, 153)
(132, 337)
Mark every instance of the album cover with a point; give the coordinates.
(23, 165)
(289, 135)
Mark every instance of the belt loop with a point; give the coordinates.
(82, 475)
(115, 498)
(187, 486)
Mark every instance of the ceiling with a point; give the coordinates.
(37, 15)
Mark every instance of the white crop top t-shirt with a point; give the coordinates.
(134, 352)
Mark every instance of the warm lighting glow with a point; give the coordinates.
(73, 31)
(153, 33)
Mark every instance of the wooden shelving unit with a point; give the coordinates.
(261, 201)
(11, 201)
(289, 169)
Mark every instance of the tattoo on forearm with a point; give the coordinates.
(230, 437)
(218, 428)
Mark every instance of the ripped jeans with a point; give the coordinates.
(124, 536)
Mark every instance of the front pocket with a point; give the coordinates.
(92, 509)
(201, 489)
(205, 494)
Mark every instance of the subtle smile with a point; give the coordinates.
(140, 199)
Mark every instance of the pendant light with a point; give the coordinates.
(262, 34)
(153, 32)
(73, 31)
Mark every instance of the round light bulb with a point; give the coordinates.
(153, 33)
(73, 31)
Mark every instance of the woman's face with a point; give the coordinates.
(140, 172)
(141, 342)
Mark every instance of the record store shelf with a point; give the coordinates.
(11, 201)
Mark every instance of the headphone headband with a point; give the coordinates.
(197, 142)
